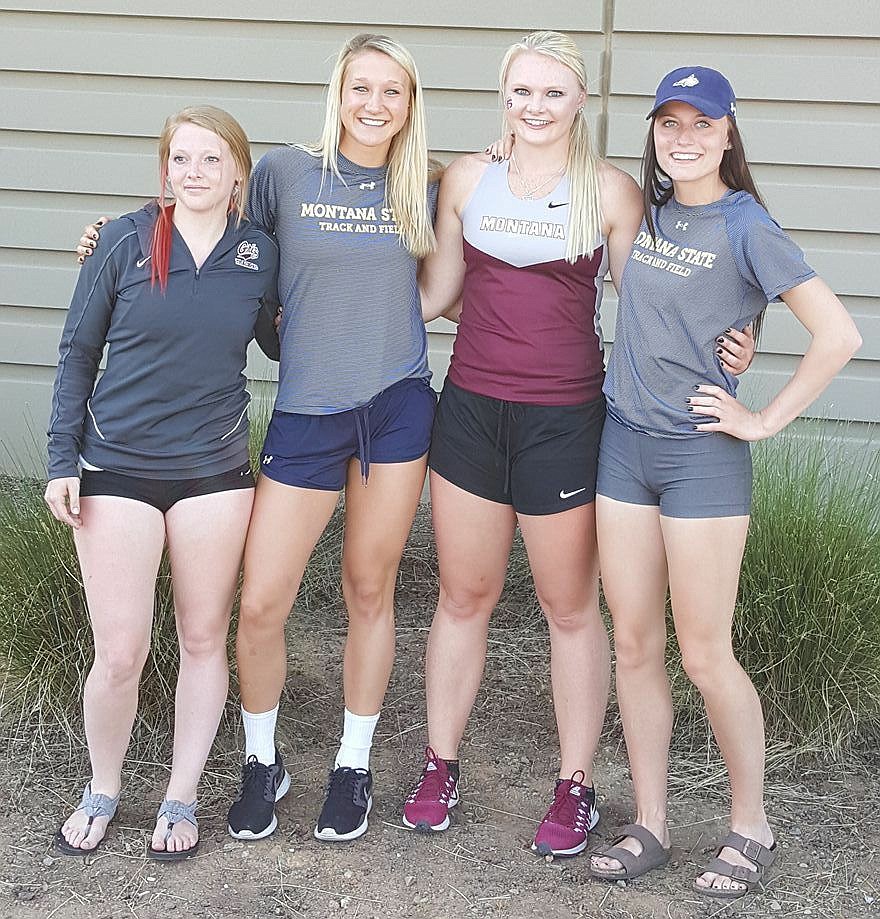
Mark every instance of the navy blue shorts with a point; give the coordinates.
(162, 494)
(313, 451)
(696, 476)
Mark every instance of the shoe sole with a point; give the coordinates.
(283, 788)
(422, 826)
(328, 834)
(162, 855)
(543, 849)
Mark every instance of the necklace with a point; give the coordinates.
(529, 191)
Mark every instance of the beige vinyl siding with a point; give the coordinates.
(86, 87)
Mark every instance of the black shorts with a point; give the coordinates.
(162, 494)
(541, 459)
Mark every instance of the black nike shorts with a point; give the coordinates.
(541, 459)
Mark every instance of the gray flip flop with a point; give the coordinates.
(174, 812)
(653, 855)
(760, 856)
(94, 806)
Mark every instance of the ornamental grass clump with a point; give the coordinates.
(807, 628)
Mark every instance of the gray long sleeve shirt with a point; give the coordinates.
(171, 402)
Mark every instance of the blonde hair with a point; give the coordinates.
(407, 178)
(225, 127)
(585, 212)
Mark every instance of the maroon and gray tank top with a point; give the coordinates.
(529, 328)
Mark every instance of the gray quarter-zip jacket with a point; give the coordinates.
(171, 402)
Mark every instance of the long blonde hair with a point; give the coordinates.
(585, 211)
(407, 178)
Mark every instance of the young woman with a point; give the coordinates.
(675, 471)
(158, 454)
(352, 215)
(518, 425)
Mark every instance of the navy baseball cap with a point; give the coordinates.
(707, 90)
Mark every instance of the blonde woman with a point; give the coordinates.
(158, 454)
(526, 245)
(516, 439)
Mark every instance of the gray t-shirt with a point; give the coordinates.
(712, 267)
(352, 321)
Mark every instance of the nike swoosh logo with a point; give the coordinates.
(558, 204)
(571, 494)
(143, 261)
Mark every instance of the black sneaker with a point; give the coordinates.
(252, 816)
(349, 799)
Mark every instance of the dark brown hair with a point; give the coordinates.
(734, 171)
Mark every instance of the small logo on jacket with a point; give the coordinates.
(247, 255)
(557, 204)
(143, 261)
(690, 80)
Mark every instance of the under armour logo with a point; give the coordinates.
(368, 185)
(267, 460)
(681, 225)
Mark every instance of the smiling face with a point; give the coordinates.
(374, 107)
(542, 98)
(689, 148)
(201, 170)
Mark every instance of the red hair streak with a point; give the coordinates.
(160, 246)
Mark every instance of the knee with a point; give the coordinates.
(120, 666)
(257, 614)
(706, 665)
(634, 649)
(569, 613)
(465, 603)
(201, 642)
(368, 599)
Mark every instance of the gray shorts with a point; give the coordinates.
(703, 475)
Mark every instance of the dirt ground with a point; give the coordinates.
(482, 866)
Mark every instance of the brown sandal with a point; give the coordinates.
(760, 856)
(653, 855)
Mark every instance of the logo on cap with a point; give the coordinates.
(688, 81)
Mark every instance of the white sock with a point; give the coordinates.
(259, 735)
(356, 740)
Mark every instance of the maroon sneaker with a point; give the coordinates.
(427, 808)
(572, 815)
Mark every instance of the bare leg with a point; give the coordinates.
(564, 562)
(703, 600)
(285, 526)
(634, 580)
(378, 519)
(474, 537)
(119, 547)
(205, 543)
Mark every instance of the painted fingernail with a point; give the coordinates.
(718, 351)
(697, 388)
(728, 330)
(81, 260)
(720, 340)
(690, 408)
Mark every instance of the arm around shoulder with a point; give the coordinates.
(622, 213)
(442, 272)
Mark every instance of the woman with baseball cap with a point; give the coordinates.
(674, 481)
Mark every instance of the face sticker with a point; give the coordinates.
(510, 103)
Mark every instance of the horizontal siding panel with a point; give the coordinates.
(810, 70)
(251, 52)
(780, 17)
(489, 14)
